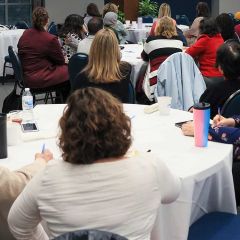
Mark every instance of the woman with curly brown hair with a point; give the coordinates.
(41, 55)
(99, 184)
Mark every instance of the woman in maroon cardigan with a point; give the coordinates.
(41, 56)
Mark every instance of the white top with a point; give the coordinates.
(85, 45)
(121, 196)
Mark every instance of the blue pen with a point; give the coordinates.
(43, 148)
(219, 111)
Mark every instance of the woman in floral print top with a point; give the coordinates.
(223, 130)
(71, 33)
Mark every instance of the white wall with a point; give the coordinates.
(227, 6)
(60, 9)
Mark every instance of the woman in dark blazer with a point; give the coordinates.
(40, 54)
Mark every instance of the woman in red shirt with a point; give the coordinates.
(205, 48)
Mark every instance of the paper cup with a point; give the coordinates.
(134, 24)
(14, 134)
(164, 105)
(127, 22)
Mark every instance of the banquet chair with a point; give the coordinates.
(76, 64)
(21, 25)
(18, 73)
(147, 19)
(7, 64)
(232, 105)
(131, 92)
(182, 20)
(216, 226)
(180, 78)
(90, 235)
(53, 29)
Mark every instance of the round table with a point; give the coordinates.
(207, 183)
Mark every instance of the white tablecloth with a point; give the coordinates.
(8, 38)
(132, 54)
(136, 34)
(207, 183)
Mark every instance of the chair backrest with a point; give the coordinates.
(53, 29)
(182, 20)
(147, 19)
(21, 25)
(131, 92)
(232, 105)
(90, 235)
(76, 64)
(17, 67)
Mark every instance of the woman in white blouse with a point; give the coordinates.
(99, 183)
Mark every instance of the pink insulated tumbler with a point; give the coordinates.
(201, 118)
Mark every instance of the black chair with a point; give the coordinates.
(232, 105)
(18, 73)
(76, 64)
(90, 235)
(7, 64)
(131, 92)
(21, 25)
(216, 226)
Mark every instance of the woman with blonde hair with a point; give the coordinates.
(164, 11)
(105, 69)
(157, 48)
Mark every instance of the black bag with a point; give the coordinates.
(12, 102)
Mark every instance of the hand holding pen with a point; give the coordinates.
(220, 121)
(45, 154)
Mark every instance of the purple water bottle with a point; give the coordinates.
(201, 118)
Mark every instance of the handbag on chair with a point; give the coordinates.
(13, 101)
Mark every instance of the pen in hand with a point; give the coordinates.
(219, 111)
(43, 148)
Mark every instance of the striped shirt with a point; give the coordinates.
(156, 50)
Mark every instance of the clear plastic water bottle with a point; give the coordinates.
(27, 105)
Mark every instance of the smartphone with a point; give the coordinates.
(29, 127)
(179, 124)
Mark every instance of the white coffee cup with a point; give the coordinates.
(127, 22)
(134, 24)
(14, 134)
(164, 105)
(140, 23)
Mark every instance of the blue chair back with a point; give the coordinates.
(131, 92)
(232, 105)
(17, 67)
(90, 235)
(216, 226)
(147, 19)
(182, 20)
(76, 64)
(53, 29)
(21, 25)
